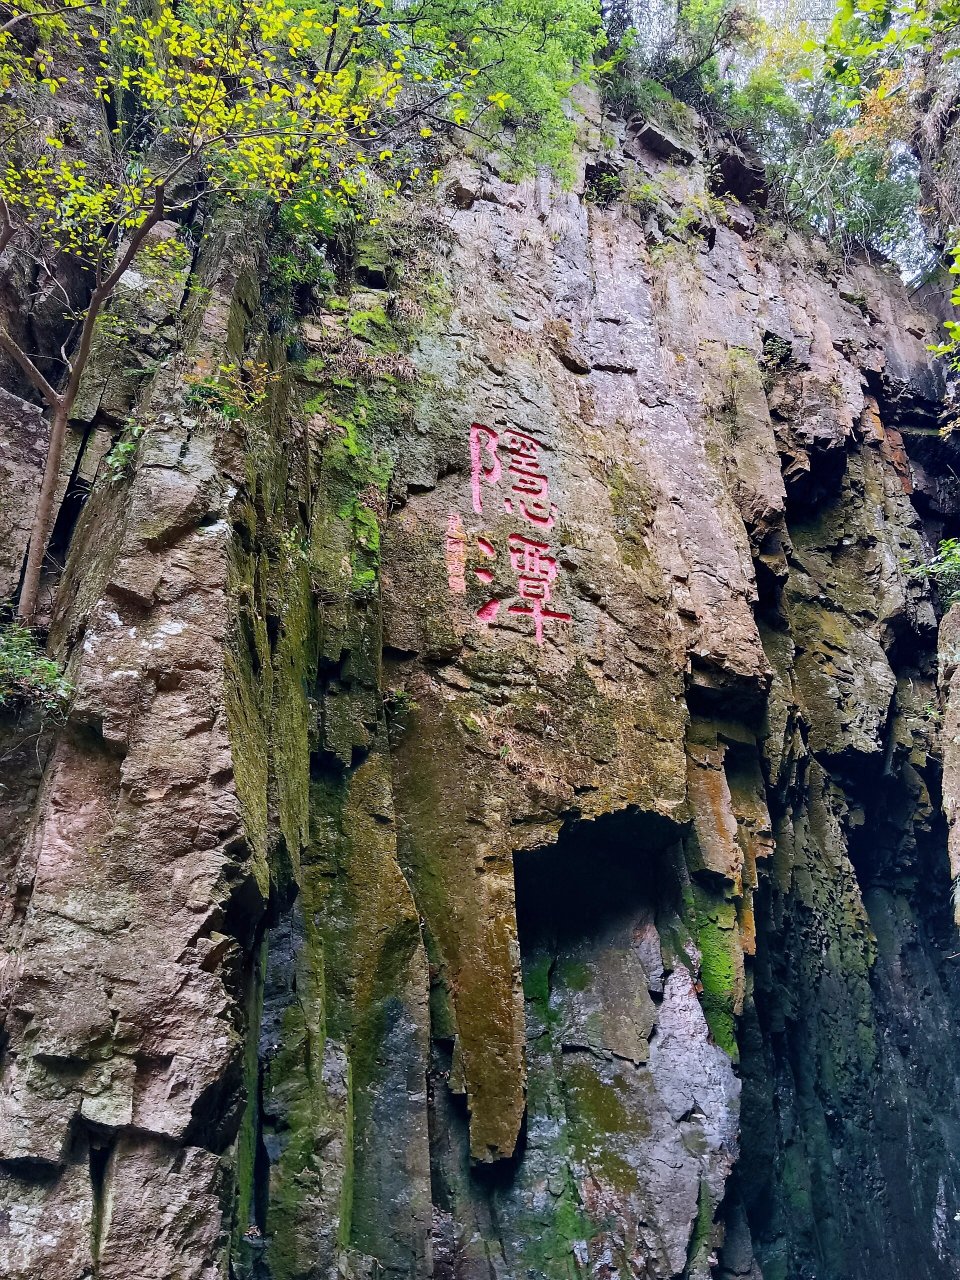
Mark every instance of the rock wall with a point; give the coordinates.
(498, 832)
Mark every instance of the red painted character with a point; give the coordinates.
(485, 465)
(535, 570)
(529, 480)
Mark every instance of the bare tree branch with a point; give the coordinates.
(45, 13)
(17, 353)
(104, 290)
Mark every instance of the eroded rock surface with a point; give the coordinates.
(498, 829)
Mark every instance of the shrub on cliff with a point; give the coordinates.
(943, 570)
(838, 162)
(27, 676)
(897, 63)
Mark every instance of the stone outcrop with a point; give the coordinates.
(23, 446)
(497, 831)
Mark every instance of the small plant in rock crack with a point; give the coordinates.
(776, 359)
(399, 702)
(932, 714)
(28, 677)
(738, 371)
(295, 546)
(233, 390)
(943, 570)
(603, 186)
(644, 199)
(398, 706)
(698, 213)
(121, 456)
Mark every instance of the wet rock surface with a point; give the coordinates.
(498, 831)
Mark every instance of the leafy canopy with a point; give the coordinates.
(282, 99)
(883, 53)
(305, 106)
(868, 37)
(838, 166)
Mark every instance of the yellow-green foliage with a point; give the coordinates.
(258, 96)
(292, 103)
(48, 28)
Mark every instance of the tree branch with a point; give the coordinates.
(17, 353)
(7, 228)
(45, 13)
(103, 292)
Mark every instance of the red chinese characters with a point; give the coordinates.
(510, 460)
(529, 482)
(484, 463)
(536, 570)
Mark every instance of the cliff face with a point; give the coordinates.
(498, 832)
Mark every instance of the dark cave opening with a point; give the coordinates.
(594, 893)
(602, 921)
(598, 871)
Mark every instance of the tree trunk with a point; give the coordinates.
(63, 403)
(43, 519)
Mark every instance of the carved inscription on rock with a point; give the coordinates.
(507, 474)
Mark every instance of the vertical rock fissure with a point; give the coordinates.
(100, 1150)
(260, 1200)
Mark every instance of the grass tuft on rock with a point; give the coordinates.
(28, 678)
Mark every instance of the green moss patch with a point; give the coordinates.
(720, 966)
